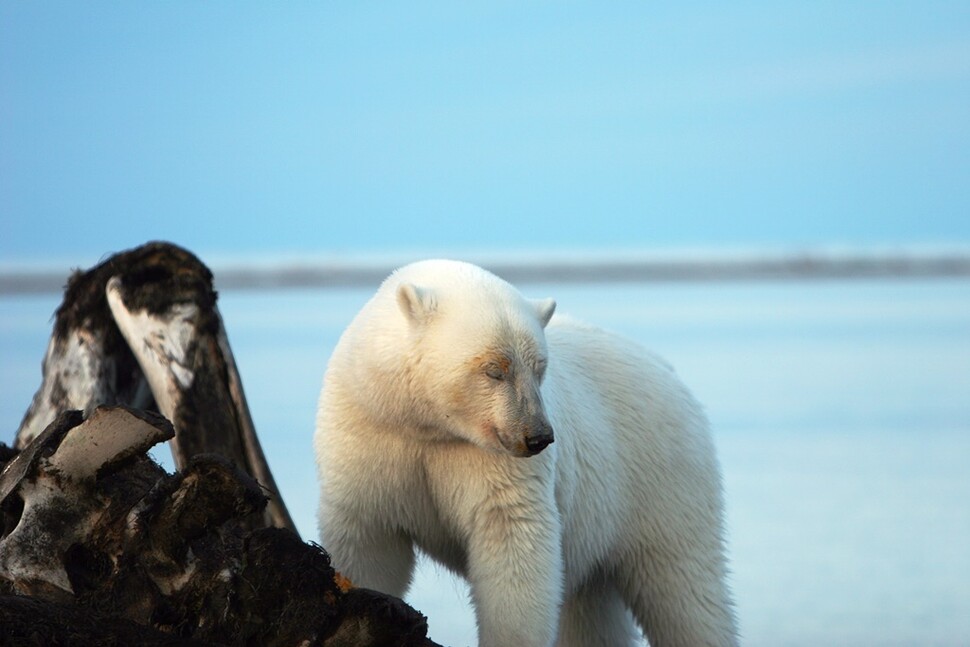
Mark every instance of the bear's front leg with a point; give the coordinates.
(369, 554)
(515, 570)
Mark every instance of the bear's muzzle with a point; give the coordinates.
(539, 438)
(538, 443)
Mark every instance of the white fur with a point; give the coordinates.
(423, 437)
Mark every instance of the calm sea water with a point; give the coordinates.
(841, 411)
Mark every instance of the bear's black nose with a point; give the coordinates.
(536, 444)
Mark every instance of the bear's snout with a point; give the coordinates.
(539, 438)
(536, 444)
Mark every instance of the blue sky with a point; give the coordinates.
(253, 128)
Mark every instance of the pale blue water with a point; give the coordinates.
(841, 412)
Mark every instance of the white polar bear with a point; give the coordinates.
(437, 418)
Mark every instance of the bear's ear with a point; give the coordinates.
(544, 309)
(415, 302)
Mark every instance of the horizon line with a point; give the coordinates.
(670, 266)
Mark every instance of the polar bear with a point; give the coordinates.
(565, 472)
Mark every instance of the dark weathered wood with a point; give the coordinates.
(142, 329)
(49, 497)
(29, 622)
(100, 546)
(91, 524)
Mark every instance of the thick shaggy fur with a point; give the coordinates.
(436, 411)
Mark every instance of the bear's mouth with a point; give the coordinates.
(521, 447)
(516, 449)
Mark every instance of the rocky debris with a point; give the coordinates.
(100, 546)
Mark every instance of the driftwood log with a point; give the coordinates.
(142, 329)
(100, 546)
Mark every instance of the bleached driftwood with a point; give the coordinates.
(99, 545)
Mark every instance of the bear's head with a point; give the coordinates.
(470, 354)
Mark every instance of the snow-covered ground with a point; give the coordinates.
(841, 412)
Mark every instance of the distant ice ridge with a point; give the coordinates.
(343, 269)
